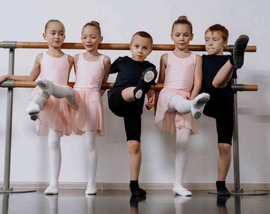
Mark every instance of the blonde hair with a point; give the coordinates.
(183, 20)
(93, 24)
(51, 21)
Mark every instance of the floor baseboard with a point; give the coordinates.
(147, 186)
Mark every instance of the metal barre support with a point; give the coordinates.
(6, 183)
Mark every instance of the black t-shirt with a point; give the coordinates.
(128, 72)
(221, 100)
(211, 66)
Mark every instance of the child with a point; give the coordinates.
(51, 114)
(126, 98)
(218, 70)
(181, 73)
(91, 69)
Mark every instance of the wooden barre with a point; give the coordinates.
(108, 85)
(109, 46)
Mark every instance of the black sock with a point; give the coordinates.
(221, 188)
(135, 189)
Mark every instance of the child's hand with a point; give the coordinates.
(3, 78)
(150, 104)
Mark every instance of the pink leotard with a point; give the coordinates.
(179, 79)
(90, 115)
(56, 112)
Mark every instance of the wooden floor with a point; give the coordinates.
(121, 202)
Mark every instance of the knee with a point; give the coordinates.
(134, 147)
(224, 148)
(181, 144)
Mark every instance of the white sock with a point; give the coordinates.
(55, 161)
(92, 160)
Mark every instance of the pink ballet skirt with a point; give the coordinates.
(54, 115)
(167, 121)
(89, 116)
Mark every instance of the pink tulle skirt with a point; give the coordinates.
(54, 115)
(167, 121)
(90, 115)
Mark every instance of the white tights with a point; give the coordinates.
(92, 160)
(195, 107)
(180, 104)
(49, 88)
(55, 158)
(182, 142)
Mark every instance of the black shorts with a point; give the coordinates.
(221, 107)
(130, 111)
(224, 126)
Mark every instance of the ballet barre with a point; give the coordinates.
(109, 46)
(10, 85)
(109, 85)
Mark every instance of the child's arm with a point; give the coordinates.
(31, 77)
(161, 76)
(107, 67)
(70, 63)
(151, 99)
(198, 78)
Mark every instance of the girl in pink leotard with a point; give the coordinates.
(51, 114)
(179, 101)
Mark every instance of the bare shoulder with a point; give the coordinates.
(39, 57)
(198, 58)
(106, 60)
(70, 59)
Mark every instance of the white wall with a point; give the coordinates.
(119, 20)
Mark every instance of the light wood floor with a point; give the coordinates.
(121, 202)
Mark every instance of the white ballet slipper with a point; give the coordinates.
(179, 190)
(51, 190)
(33, 110)
(91, 190)
(198, 104)
(46, 87)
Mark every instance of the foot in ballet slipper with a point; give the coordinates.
(239, 51)
(46, 87)
(198, 104)
(33, 110)
(179, 190)
(91, 190)
(51, 190)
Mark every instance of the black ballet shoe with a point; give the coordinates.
(239, 51)
(147, 79)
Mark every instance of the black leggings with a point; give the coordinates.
(130, 111)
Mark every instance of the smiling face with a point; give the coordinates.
(214, 43)
(140, 47)
(91, 38)
(54, 34)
